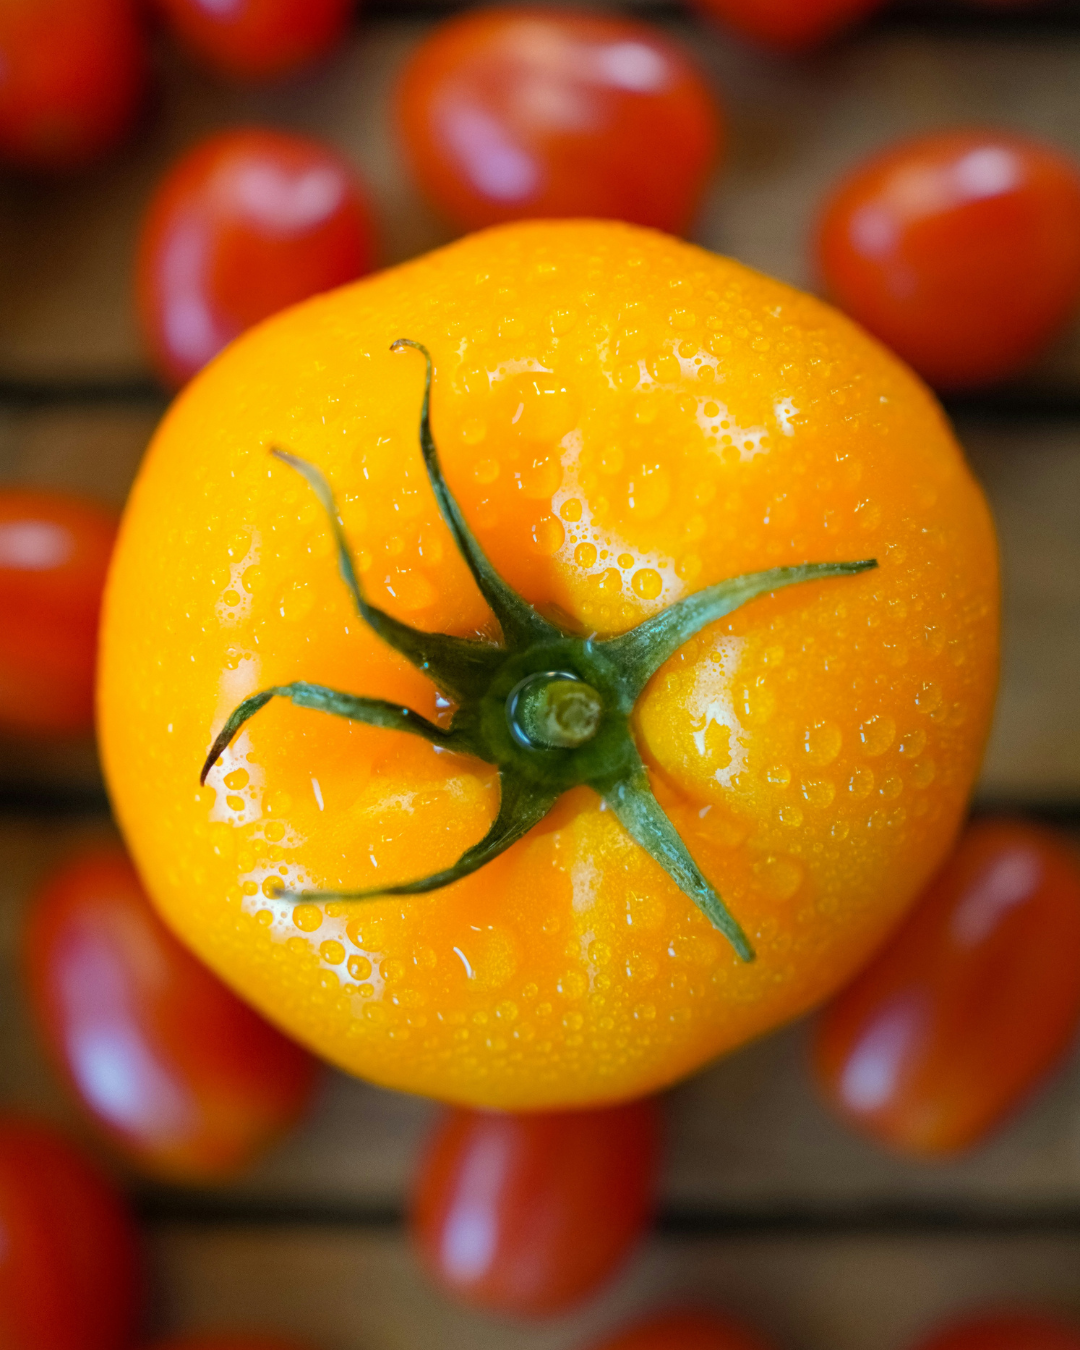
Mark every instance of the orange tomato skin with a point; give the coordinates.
(508, 113)
(1006, 1331)
(972, 1002)
(961, 250)
(185, 1079)
(245, 224)
(620, 433)
(258, 39)
(529, 1214)
(790, 25)
(685, 1331)
(74, 72)
(70, 1269)
(54, 554)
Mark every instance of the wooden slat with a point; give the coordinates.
(345, 1289)
(66, 248)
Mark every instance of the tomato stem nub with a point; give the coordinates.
(549, 708)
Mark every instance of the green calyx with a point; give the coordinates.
(551, 710)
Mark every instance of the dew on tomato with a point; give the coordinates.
(529, 1214)
(258, 39)
(971, 1003)
(789, 25)
(509, 113)
(684, 1331)
(1011, 1330)
(243, 225)
(961, 250)
(188, 1081)
(73, 73)
(54, 554)
(71, 1275)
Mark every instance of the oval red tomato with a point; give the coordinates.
(971, 1003)
(70, 1266)
(246, 224)
(182, 1075)
(788, 24)
(54, 554)
(526, 1214)
(1006, 1331)
(960, 250)
(258, 39)
(507, 113)
(73, 76)
(684, 1331)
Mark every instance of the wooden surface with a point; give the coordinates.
(768, 1207)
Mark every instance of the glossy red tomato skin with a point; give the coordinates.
(71, 1275)
(960, 250)
(258, 39)
(188, 1081)
(508, 113)
(528, 1214)
(74, 73)
(1005, 1331)
(790, 25)
(971, 1003)
(684, 1331)
(54, 556)
(245, 224)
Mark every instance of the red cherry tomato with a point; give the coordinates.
(71, 78)
(527, 1214)
(1007, 1331)
(684, 1331)
(181, 1074)
(245, 224)
(507, 113)
(788, 24)
(972, 1002)
(960, 250)
(70, 1267)
(54, 554)
(258, 39)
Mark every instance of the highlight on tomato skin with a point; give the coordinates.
(684, 1331)
(1011, 1330)
(256, 40)
(186, 1079)
(789, 25)
(74, 76)
(529, 1214)
(960, 250)
(54, 556)
(972, 1002)
(246, 223)
(71, 1270)
(508, 113)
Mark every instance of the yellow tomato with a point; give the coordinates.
(625, 420)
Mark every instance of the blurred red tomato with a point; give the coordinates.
(258, 39)
(508, 113)
(183, 1076)
(70, 1267)
(526, 1214)
(54, 553)
(788, 24)
(959, 250)
(1006, 1331)
(684, 1331)
(971, 1003)
(242, 226)
(71, 78)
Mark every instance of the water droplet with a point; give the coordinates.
(822, 741)
(780, 876)
(913, 744)
(274, 830)
(548, 536)
(231, 597)
(585, 555)
(485, 471)
(861, 783)
(571, 509)
(819, 791)
(923, 773)
(877, 734)
(779, 774)
(647, 583)
(929, 697)
(333, 953)
(840, 829)
(307, 917)
(235, 803)
(473, 430)
(625, 560)
(265, 917)
(359, 968)
(251, 579)
(560, 321)
(791, 815)
(237, 779)
(891, 786)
